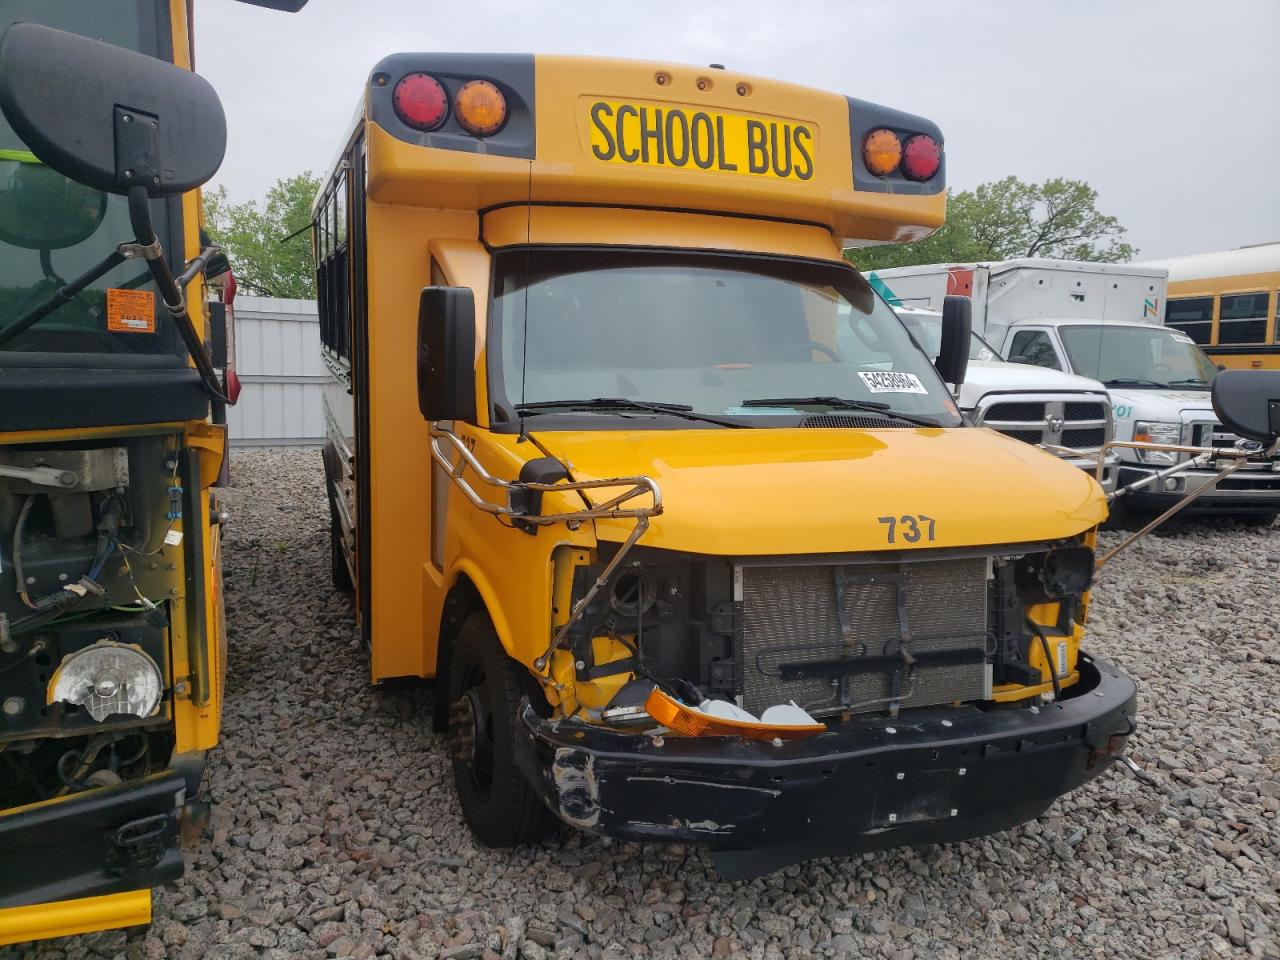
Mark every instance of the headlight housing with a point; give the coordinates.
(1155, 431)
(108, 679)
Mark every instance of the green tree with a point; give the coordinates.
(252, 237)
(1009, 218)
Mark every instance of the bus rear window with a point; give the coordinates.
(52, 230)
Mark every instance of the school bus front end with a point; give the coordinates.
(112, 639)
(686, 527)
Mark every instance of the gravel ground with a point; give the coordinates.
(335, 831)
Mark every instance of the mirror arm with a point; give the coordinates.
(170, 293)
(61, 296)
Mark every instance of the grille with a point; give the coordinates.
(859, 423)
(1015, 411)
(1081, 424)
(1092, 437)
(1215, 435)
(1026, 436)
(851, 620)
(1084, 411)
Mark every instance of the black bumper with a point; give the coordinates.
(930, 776)
(102, 841)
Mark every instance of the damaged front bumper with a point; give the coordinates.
(931, 775)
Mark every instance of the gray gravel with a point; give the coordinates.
(335, 831)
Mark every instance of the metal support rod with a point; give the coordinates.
(1204, 487)
(61, 296)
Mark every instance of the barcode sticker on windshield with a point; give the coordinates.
(892, 382)
(131, 311)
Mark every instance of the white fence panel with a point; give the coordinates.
(278, 361)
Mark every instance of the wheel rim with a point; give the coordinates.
(473, 746)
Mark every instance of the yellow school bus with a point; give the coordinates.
(686, 527)
(1229, 303)
(112, 640)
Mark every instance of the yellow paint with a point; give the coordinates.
(66, 917)
(603, 226)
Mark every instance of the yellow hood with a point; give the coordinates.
(772, 491)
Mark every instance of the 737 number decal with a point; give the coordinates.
(908, 528)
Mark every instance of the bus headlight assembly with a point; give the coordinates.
(1153, 431)
(107, 679)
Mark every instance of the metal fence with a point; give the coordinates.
(278, 361)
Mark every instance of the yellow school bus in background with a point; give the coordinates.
(112, 639)
(1229, 303)
(686, 527)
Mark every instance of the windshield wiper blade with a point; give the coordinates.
(839, 403)
(1193, 381)
(623, 403)
(1132, 382)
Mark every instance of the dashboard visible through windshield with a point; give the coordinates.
(743, 341)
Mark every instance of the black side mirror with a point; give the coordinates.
(447, 354)
(1248, 403)
(109, 118)
(957, 332)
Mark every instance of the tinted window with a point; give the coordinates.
(52, 230)
(1034, 346)
(1243, 318)
(1193, 316)
(1136, 356)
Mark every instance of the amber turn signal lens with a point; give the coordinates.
(481, 108)
(678, 718)
(882, 152)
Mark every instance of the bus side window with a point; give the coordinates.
(1243, 318)
(1193, 316)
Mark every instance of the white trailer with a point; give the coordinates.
(1104, 321)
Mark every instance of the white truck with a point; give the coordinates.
(1024, 401)
(1105, 321)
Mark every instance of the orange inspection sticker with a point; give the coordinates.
(131, 311)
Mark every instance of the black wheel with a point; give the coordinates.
(485, 688)
(339, 572)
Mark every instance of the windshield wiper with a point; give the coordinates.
(1132, 382)
(622, 403)
(1193, 381)
(839, 403)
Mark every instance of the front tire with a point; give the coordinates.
(339, 572)
(485, 690)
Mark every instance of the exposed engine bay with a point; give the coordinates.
(91, 560)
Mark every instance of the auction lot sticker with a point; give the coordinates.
(888, 381)
(131, 311)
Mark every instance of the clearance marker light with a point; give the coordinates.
(882, 152)
(481, 108)
(920, 158)
(421, 102)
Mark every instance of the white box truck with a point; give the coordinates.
(1104, 321)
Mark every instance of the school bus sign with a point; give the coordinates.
(648, 133)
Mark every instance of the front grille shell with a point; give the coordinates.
(1077, 421)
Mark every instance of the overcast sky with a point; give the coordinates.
(1169, 108)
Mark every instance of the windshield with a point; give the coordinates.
(53, 230)
(714, 334)
(1137, 356)
(927, 329)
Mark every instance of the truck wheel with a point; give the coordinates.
(339, 572)
(485, 688)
